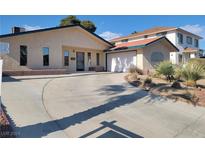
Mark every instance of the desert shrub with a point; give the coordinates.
(134, 69)
(155, 74)
(132, 77)
(166, 68)
(177, 72)
(192, 72)
(148, 80)
(190, 83)
(147, 84)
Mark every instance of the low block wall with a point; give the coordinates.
(36, 72)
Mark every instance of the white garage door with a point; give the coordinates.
(121, 62)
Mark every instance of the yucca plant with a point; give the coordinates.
(177, 72)
(166, 68)
(192, 72)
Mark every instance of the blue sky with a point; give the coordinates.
(110, 26)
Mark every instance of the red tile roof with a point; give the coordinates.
(190, 50)
(135, 43)
(145, 32)
(151, 31)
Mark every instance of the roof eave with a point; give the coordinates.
(190, 33)
(55, 28)
(128, 48)
(128, 37)
(161, 39)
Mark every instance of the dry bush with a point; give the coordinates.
(132, 77)
(134, 69)
(148, 80)
(190, 83)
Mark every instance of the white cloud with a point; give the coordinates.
(196, 29)
(107, 35)
(29, 28)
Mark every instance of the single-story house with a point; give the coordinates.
(144, 54)
(58, 49)
(73, 48)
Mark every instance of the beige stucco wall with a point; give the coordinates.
(139, 59)
(74, 38)
(162, 47)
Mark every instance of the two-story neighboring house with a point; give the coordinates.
(186, 46)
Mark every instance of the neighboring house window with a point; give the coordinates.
(189, 40)
(156, 57)
(164, 33)
(98, 59)
(66, 58)
(196, 43)
(23, 55)
(89, 58)
(125, 40)
(180, 38)
(158, 34)
(146, 36)
(161, 34)
(45, 51)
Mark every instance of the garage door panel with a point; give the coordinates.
(121, 62)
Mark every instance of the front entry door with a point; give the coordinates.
(80, 66)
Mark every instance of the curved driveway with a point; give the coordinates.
(95, 105)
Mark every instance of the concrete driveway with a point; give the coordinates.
(95, 105)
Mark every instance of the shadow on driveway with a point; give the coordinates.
(111, 89)
(114, 132)
(43, 129)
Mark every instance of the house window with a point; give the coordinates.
(66, 58)
(146, 36)
(98, 59)
(89, 58)
(125, 40)
(23, 55)
(45, 51)
(189, 40)
(180, 38)
(156, 57)
(196, 43)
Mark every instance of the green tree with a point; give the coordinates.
(70, 20)
(89, 25)
(73, 20)
(135, 32)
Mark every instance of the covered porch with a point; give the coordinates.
(82, 59)
(189, 53)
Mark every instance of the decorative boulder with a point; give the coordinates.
(176, 84)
